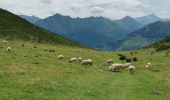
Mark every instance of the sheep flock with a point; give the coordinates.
(114, 67)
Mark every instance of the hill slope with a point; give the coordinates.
(12, 26)
(143, 37)
(92, 31)
(35, 74)
(162, 45)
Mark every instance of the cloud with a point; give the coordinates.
(46, 1)
(97, 11)
(114, 9)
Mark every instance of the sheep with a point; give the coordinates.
(8, 49)
(80, 59)
(126, 65)
(5, 41)
(131, 69)
(61, 57)
(148, 65)
(110, 61)
(71, 60)
(87, 62)
(116, 67)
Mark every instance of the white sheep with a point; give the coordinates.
(148, 65)
(61, 57)
(80, 59)
(87, 62)
(110, 61)
(9, 49)
(131, 69)
(5, 41)
(126, 65)
(116, 67)
(71, 60)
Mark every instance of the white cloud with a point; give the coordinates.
(97, 11)
(113, 9)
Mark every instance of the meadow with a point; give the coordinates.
(29, 73)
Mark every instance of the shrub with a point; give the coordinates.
(122, 57)
(51, 50)
(135, 59)
(131, 53)
(22, 45)
(128, 60)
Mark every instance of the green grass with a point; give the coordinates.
(29, 73)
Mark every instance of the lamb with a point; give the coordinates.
(9, 49)
(71, 60)
(80, 59)
(87, 62)
(110, 61)
(61, 57)
(116, 67)
(148, 65)
(126, 65)
(131, 69)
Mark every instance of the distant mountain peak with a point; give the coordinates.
(127, 18)
(145, 20)
(152, 16)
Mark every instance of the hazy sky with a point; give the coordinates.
(114, 9)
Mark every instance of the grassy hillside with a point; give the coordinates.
(14, 27)
(162, 45)
(30, 73)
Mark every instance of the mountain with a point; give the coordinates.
(92, 31)
(12, 26)
(145, 20)
(165, 20)
(145, 36)
(32, 19)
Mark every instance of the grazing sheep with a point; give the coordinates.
(126, 65)
(5, 41)
(116, 67)
(110, 61)
(61, 57)
(131, 69)
(87, 62)
(72, 60)
(9, 49)
(148, 65)
(80, 59)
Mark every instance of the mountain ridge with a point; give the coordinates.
(148, 19)
(33, 19)
(145, 36)
(91, 31)
(13, 26)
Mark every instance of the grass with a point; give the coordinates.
(29, 73)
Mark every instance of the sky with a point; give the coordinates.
(113, 9)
